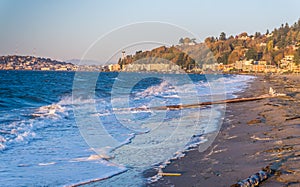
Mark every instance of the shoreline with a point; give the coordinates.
(206, 73)
(254, 134)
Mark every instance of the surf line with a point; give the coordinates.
(94, 180)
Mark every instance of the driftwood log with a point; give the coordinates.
(262, 175)
(196, 105)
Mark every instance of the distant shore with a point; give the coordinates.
(233, 73)
(254, 135)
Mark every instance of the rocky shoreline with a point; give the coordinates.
(254, 135)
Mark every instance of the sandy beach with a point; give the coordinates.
(254, 135)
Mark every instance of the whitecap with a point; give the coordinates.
(47, 163)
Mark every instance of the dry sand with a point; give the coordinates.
(254, 135)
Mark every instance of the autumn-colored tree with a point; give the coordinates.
(297, 56)
(270, 46)
(233, 57)
(278, 56)
(186, 40)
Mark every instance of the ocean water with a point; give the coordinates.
(65, 128)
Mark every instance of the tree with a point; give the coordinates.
(282, 42)
(223, 58)
(209, 40)
(193, 40)
(270, 46)
(231, 37)
(298, 37)
(222, 36)
(257, 35)
(244, 34)
(286, 28)
(213, 39)
(233, 57)
(278, 55)
(181, 41)
(180, 59)
(251, 54)
(186, 40)
(231, 47)
(297, 56)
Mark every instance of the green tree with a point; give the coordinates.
(193, 40)
(223, 58)
(251, 54)
(181, 41)
(297, 56)
(257, 35)
(222, 36)
(282, 42)
(180, 59)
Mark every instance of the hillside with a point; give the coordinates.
(270, 47)
(172, 54)
(15, 62)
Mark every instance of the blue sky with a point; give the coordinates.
(64, 29)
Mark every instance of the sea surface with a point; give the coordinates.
(65, 128)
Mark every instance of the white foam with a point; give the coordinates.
(49, 111)
(17, 132)
(91, 158)
(157, 89)
(68, 100)
(47, 163)
(24, 135)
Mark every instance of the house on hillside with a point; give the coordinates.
(187, 41)
(286, 61)
(244, 65)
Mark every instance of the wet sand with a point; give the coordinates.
(254, 135)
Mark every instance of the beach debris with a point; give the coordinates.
(272, 93)
(260, 139)
(292, 118)
(170, 174)
(280, 149)
(262, 175)
(161, 173)
(253, 180)
(236, 100)
(254, 121)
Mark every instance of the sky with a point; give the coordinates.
(69, 29)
